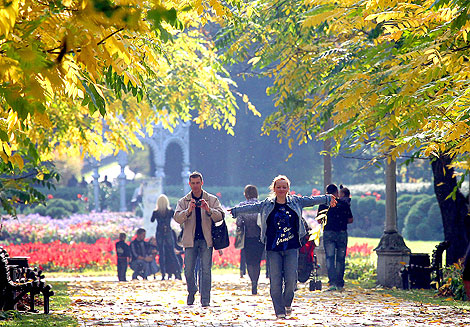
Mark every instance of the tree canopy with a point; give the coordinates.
(389, 74)
(86, 75)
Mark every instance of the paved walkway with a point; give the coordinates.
(163, 303)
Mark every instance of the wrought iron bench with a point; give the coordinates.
(417, 274)
(17, 279)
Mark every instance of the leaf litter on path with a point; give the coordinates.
(163, 303)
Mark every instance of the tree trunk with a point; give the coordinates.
(453, 212)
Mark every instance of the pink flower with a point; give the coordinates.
(218, 194)
(50, 196)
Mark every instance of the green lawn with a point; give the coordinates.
(415, 246)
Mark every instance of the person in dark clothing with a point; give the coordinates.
(123, 253)
(281, 232)
(163, 214)
(335, 238)
(253, 246)
(140, 260)
(152, 251)
(242, 263)
(345, 194)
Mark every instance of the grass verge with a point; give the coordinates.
(428, 297)
(60, 302)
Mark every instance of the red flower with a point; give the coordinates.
(218, 194)
(85, 199)
(50, 196)
(79, 196)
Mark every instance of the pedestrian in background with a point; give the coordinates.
(281, 232)
(335, 237)
(253, 247)
(163, 214)
(140, 260)
(123, 253)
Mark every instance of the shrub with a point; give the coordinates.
(404, 204)
(360, 269)
(40, 210)
(416, 216)
(453, 285)
(57, 212)
(434, 220)
(368, 216)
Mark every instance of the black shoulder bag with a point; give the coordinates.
(220, 238)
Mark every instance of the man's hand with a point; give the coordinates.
(205, 205)
(332, 201)
(192, 205)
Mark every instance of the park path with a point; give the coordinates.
(163, 303)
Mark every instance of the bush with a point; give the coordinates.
(57, 212)
(453, 282)
(368, 216)
(360, 269)
(418, 215)
(40, 210)
(65, 193)
(60, 203)
(78, 206)
(404, 204)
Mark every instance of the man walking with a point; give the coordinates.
(335, 238)
(195, 212)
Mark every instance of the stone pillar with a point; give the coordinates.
(122, 160)
(392, 252)
(96, 185)
(185, 177)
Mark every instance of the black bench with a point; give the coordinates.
(420, 272)
(17, 279)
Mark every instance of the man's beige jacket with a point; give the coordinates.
(189, 222)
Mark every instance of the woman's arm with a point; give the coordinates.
(310, 201)
(254, 207)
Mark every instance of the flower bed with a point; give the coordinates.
(59, 256)
(65, 257)
(77, 228)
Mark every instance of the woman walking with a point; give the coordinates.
(163, 214)
(253, 247)
(281, 232)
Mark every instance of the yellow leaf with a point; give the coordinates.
(16, 159)
(254, 60)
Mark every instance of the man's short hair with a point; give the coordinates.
(195, 174)
(332, 189)
(251, 192)
(140, 231)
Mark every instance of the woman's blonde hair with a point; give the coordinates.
(272, 194)
(162, 203)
